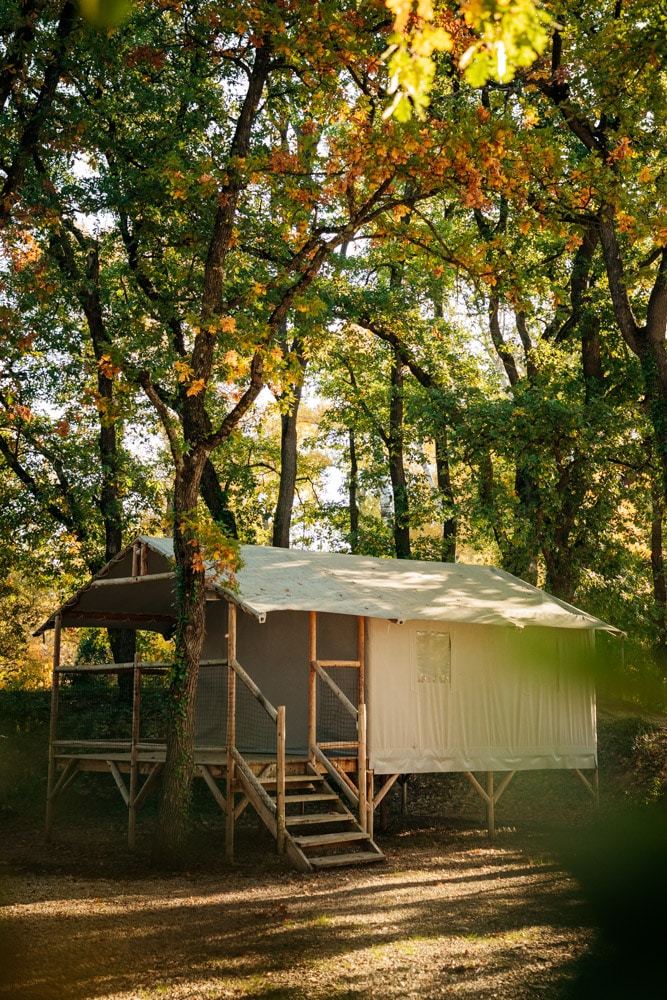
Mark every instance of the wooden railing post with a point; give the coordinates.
(312, 685)
(231, 730)
(280, 779)
(362, 767)
(134, 754)
(53, 726)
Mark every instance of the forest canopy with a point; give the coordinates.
(254, 288)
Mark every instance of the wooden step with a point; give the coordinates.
(319, 818)
(336, 860)
(295, 779)
(329, 839)
(314, 797)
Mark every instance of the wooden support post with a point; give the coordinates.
(143, 560)
(383, 806)
(490, 806)
(361, 767)
(118, 778)
(591, 786)
(280, 779)
(53, 728)
(361, 653)
(312, 685)
(134, 755)
(404, 794)
(370, 799)
(136, 559)
(231, 730)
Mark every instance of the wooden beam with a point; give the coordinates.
(591, 788)
(118, 778)
(125, 581)
(387, 785)
(119, 616)
(362, 767)
(53, 728)
(147, 787)
(312, 681)
(134, 772)
(280, 779)
(361, 656)
(204, 773)
(490, 806)
(338, 663)
(231, 730)
(67, 776)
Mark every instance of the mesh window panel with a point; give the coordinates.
(334, 722)
(94, 707)
(255, 729)
(153, 708)
(211, 706)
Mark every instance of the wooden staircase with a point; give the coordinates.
(320, 831)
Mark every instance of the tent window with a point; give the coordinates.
(434, 658)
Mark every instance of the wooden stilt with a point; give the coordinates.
(362, 766)
(383, 806)
(53, 728)
(370, 799)
(404, 794)
(590, 786)
(361, 654)
(490, 806)
(134, 756)
(231, 731)
(312, 685)
(280, 779)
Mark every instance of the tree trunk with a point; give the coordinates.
(217, 500)
(282, 518)
(353, 490)
(174, 810)
(658, 572)
(449, 527)
(399, 484)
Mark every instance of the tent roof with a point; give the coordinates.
(273, 579)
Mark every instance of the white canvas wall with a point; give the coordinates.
(508, 699)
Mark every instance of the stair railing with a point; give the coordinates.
(358, 796)
(272, 813)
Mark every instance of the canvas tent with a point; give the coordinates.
(459, 667)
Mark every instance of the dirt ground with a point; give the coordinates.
(449, 914)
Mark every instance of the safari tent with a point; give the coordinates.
(325, 677)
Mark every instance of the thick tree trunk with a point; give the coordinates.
(217, 500)
(658, 573)
(174, 810)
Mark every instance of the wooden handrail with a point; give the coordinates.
(341, 780)
(254, 690)
(342, 697)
